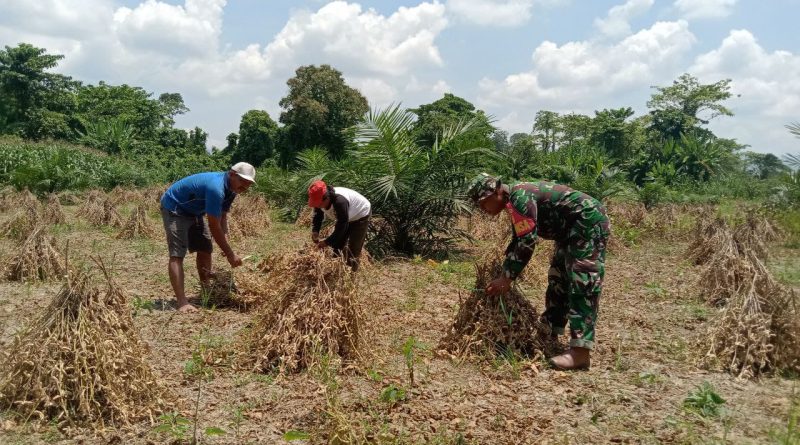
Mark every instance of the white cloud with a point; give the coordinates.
(700, 9)
(577, 74)
(71, 19)
(492, 12)
(377, 91)
(765, 87)
(617, 22)
(348, 37)
(188, 30)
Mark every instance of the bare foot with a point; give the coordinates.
(187, 307)
(574, 358)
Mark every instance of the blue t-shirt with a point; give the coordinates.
(199, 194)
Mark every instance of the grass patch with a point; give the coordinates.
(704, 401)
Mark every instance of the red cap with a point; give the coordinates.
(316, 192)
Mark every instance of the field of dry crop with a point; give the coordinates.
(196, 381)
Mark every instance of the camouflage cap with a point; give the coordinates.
(482, 185)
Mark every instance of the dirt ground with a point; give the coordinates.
(650, 334)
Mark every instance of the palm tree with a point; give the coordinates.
(417, 193)
(793, 160)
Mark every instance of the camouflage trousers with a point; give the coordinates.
(575, 279)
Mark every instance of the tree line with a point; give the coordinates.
(610, 152)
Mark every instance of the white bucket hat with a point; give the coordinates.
(245, 171)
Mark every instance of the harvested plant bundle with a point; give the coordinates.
(758, 329)
(151, 197)
(81, 363)
(242, 291)
(314, 310)
(100, 210)
(755, 233)
(249, 216)
(494, 324)
(121, 195)
(712, 239)
(53, 212)
(37, 259)
(305, 217)
(138, 225)
(22, 223)
(627, 214)
(481, 226)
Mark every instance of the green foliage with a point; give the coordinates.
(676, 110)
(546, 128)
(174, 425)
(35, 104)
(417, 192)
(764, 165)
(140, 303)
(132, 106)
(293, 435)
(448, 112)
(317, 110)
(48, 168)
(704, 401)
(652, 194)
(112, 135)
(610, 132)
(411, 349)
(392, 395)
(588, 170)
(257, 139)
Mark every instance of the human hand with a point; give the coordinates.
(315, 237)
(322, 244)
(234, 260)
(499, 286)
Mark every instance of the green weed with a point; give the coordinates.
(411, 349)
(142, 304)
(704, 401)
(173, 425)
(392, 395)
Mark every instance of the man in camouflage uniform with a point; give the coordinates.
(579, 225)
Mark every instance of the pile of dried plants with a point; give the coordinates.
(314, 310)
(249, 216)
(81, 362)
(138, 225)
(38, 259)
(488, 325)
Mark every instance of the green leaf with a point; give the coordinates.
(292, 435)
(214, 431)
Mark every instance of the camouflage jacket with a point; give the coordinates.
(553, 210)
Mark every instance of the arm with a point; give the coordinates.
(341, 208)
(518, 254)
(520, 249)
(316, 224)
(224, 222)
(215, 225)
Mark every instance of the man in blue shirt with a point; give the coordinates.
(183, 206)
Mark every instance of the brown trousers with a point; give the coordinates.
(353, 242)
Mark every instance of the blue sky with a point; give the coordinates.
(510, 58)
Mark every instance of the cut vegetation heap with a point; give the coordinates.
(314, 310)
(138, 225)
(81, 363)
(249, 217)
(37, 259)
(22, 223)
(488, 325)
(53, 212)
(758, 329)
(99, 210)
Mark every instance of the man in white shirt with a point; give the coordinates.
(350, 210)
